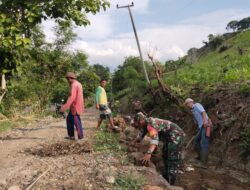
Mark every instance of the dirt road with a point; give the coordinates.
(27, 152)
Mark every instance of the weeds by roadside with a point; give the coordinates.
(5, 125)
(107, 141)
(128, 182)
(9, 124)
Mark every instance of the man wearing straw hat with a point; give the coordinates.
(75, 103)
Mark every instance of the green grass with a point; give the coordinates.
(9, 124)
(128, 182)
(5, 125)
(107, 141)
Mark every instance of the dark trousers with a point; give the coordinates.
(171, 154)
(201, 140)
(74, 120)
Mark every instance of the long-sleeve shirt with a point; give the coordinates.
(155, 126)
(101, 96)
(75, 100)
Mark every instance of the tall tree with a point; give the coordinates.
(101, 71)
(19, 17)
(244, 24)
(232, 25)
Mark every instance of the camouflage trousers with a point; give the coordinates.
(171, 154)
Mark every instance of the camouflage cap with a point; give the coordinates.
(139, 116)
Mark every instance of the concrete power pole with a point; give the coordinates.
(137, 40)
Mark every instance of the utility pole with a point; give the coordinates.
(136, 37)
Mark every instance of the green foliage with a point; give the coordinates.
(129, 82)
(235, 25)
(244, 24)
(101, 71)
(232, 25)
(41, 77)
(89, 81)
(129, 182)
(215, 41)
(130, 75)
(237, 69)
(245, 144)
(19, 18)
(174, 65)
(223, 48)
(244, 89)
(6, 125)
(106, 141)
(214, 68)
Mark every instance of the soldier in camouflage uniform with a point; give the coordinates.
(168, 132)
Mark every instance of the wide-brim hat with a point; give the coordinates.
(71, 75)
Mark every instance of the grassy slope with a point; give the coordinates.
(213, 68)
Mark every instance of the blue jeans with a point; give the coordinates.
(201, 140)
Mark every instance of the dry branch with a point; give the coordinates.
(166, 90)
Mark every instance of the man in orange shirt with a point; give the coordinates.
(76, 104)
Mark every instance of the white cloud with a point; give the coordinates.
(218, 18)
(48, 26)
(172, 41)
(101, 27)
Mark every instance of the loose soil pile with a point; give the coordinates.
(61, 148)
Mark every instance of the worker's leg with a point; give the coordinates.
(204, 144)
(70, 125)
(197, 144)
(172, 161)
(79, 126)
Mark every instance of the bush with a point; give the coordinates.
(245, 144)
(223, 48)
(244, 90)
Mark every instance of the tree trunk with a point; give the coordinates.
(166, 90)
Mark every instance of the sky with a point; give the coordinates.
(167, 29)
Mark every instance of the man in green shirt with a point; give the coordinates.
(102, 105)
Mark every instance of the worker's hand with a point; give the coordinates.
(146, 158)
(205, 124)
(97, 106)
(62, 110)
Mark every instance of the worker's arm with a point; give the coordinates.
(97, 97)
(153, 133)
(204, 118)
(70, 100)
